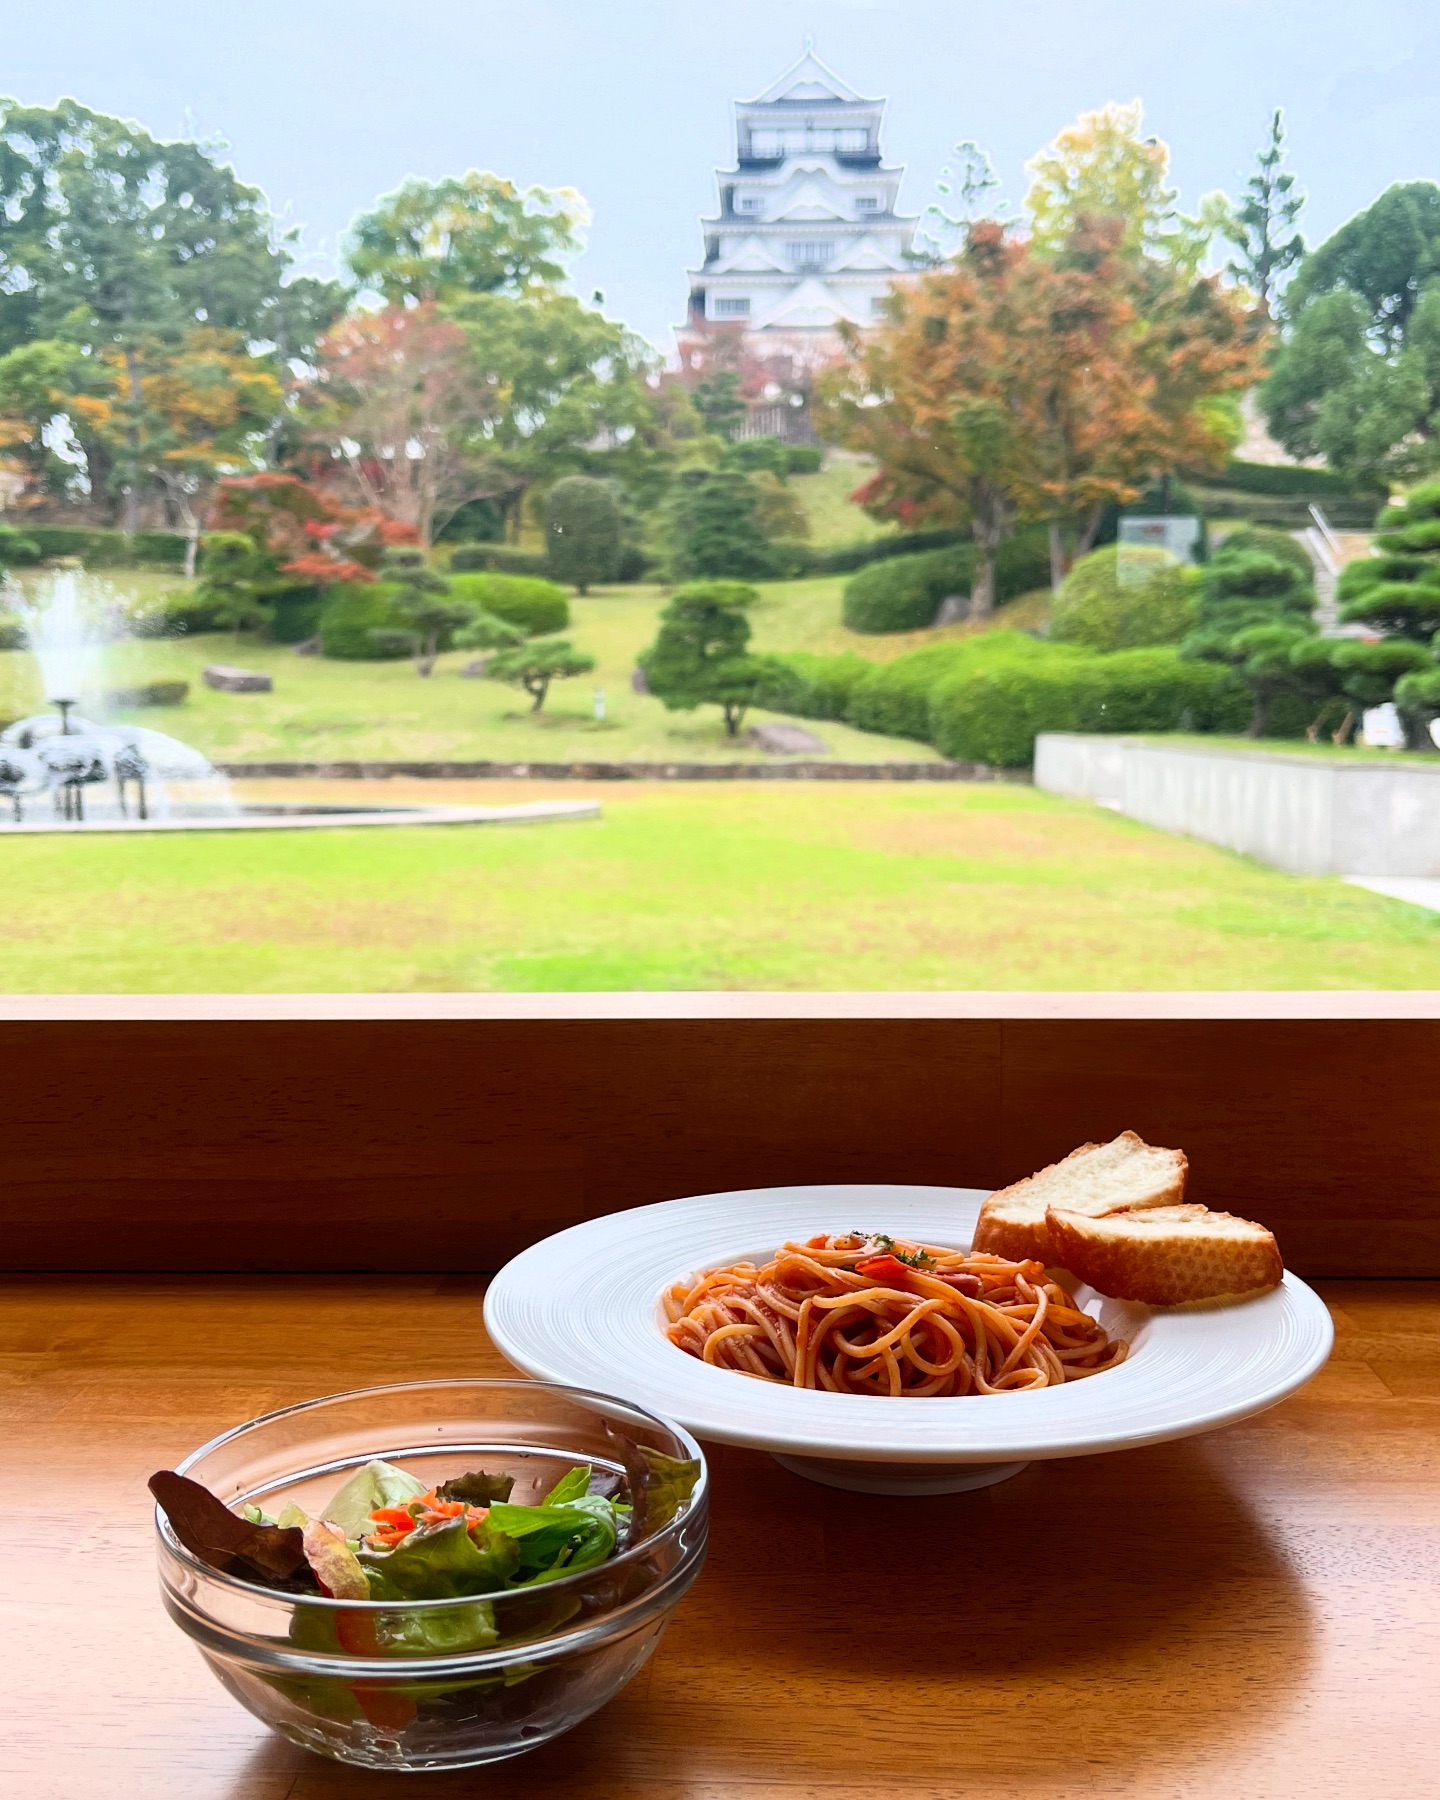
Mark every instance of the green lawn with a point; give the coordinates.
(834, 517)
(322, 710)
(684, 886)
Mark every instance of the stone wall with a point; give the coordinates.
(1308, 815)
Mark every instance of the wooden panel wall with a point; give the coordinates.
(408, 1143)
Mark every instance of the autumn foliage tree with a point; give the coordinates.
(270, 533)
(1020, 385)
(395, 402)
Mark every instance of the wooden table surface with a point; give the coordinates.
(1249, 1615)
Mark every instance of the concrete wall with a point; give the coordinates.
(1305, 814)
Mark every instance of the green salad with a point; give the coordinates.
(386, 1537)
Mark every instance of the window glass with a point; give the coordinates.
(1057, 407)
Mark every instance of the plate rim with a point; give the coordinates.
(1308, 1308)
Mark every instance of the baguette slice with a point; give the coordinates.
(1166, 1255)
(1095, 1179)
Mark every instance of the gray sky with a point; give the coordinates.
(327, 103)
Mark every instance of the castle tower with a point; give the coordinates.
(807, 234)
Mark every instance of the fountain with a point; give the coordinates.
(62, 756)
(62, 771)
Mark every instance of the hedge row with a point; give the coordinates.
(983, 699)
(102, 548)
(1281, 478)
(904, 593)
(1349, 513)
(993, 715)
(499, 557)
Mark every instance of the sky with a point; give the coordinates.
(326, 104)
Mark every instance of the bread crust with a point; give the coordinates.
(1166, 1268)
(1027, 1239)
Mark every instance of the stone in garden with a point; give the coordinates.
(953, 608)
(237, 681)
(787, 740)
(311, 646)
(152, 693)
(476, 666)
(638, 683)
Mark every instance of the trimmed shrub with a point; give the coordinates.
(534, 606)
(803, 459)
(993, 715)
(582, 532)
(501, 557)
(295, 615)
(894, 698)
(1098, 611)
(352, 614)
(1270, 540)
(811, 686)
(17, 551)
(904, 593)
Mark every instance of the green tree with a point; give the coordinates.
(713, 527)
(1397, 592)
(566, 393)
(1255, 614)
(535, 665)
(420, 599)
(122, 246)
(235, 582)
(700, 658)
(717, 400)
(1357, 379)
(1262, 226)
(1104, 167)
(474, 233)
(583, 524)
(1267, 660)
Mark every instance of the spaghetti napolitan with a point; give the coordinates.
(862, 1314)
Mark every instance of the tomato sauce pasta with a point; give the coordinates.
(862, 1314)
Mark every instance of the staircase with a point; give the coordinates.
(1324, 549)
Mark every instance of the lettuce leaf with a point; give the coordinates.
(669, 1482)
(572, 1486)
(442, 1562)
(377, 1484)
(477, 1488)
(334, 1563)
(558, 1540)
(235, 1545)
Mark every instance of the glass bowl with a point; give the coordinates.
(487, 1678)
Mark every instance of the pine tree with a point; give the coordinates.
(1262, 227)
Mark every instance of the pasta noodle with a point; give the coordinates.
(862, 1314)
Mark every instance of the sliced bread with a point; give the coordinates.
(1166, 1255)
(1095, 1179)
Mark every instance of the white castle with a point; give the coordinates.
(807, 234)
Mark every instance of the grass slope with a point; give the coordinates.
(696, 887)
(324, 710)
